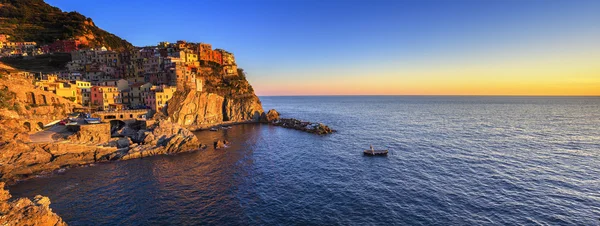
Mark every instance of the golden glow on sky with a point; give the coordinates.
(568, 75)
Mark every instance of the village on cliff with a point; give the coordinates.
(141, 78)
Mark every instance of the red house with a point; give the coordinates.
(62, 46)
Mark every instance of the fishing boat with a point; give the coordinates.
(72, 123)
(213, 129)
(373, 152)
(92, 120)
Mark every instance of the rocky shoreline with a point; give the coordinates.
(22, 160)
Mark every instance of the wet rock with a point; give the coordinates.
(270, 116)
(220, 144)
(23, 211)
(315, 128)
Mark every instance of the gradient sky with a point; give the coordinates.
(302, 47)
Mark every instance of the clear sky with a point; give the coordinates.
(303, 47)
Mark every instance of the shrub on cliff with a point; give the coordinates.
(7, 98)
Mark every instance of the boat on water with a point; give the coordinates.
(92, 120)
(213, 129)
(375, 152)
(73, 123)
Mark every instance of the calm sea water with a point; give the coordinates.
(454, 160)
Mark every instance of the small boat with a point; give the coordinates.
(213, 129)
(375, 152)
(71, 124)
(92, 120)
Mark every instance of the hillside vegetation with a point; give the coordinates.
(34, 20)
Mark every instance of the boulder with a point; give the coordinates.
(270, 116)
(124, 142)
(220, 144)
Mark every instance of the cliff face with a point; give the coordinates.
(192, 108)
(222, 100)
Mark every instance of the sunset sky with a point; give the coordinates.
(301, 47)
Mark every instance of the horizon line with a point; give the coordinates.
(424, 95)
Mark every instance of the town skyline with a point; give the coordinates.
(384, 48)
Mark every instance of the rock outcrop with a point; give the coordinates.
(311, 127)
(220, 144)
(270, 116)
(163, 137)
(23, 211)
(191, 108)
(20, 160)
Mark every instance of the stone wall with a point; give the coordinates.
(92, 134)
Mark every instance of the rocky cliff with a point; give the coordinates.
(222, 100)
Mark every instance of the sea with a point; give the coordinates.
(453, 160)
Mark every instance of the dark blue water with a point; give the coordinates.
(454, 160)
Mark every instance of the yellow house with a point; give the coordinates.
(67, 91)
(158, 97)
(83, 94)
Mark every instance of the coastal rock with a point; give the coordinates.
(270, 116)
(19, 160)
(164, 137)
(124, 142)
(220, 144)
(316, 128)
(192, 108)
(23, 211)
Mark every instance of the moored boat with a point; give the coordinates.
(375, 152)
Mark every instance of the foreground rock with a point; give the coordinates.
(23, 211)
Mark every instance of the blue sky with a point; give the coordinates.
(341, 43)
